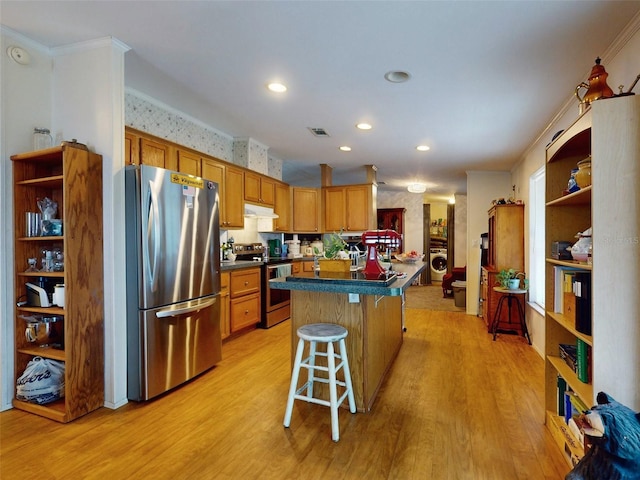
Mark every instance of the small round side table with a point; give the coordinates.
(510, 296)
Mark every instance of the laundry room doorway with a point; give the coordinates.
(438, 235)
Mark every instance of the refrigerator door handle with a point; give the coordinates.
(187, 307)
(153, 216)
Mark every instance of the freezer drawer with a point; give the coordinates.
(174, 344)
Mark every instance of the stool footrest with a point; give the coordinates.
(306, 364)
(319, 401)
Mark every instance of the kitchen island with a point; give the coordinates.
(371, 311)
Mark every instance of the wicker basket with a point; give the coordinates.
(334, 265)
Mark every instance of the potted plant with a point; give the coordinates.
(510, 278)
(336, 257)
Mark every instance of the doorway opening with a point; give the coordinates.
(438, 236)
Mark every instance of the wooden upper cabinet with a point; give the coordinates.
(349, 208)
(229, 180)
(306, 209)
(189, 163)
(259, 189)
(506, 237)
(131, 149)
(234, 197)
(282, 207)
(155, 154)
(334, 205)
(268, 191)
(214, 171)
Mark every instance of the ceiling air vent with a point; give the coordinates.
(319, 132)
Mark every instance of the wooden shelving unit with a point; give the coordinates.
(610, 132)
(506, 250)
(71, 176)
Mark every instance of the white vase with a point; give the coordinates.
(513, 283)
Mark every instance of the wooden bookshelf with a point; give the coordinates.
(609, 132)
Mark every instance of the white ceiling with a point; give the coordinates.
(487, 77)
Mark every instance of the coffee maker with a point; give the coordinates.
(275, 248)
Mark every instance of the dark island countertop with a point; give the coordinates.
(309, 281)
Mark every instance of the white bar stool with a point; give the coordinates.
(322, 333)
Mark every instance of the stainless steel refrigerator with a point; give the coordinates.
(173, 279)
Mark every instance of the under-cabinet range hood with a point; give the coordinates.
(263, 216)
(258, 211)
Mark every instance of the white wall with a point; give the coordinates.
(460, 231)
(77, 91)
(25, 103)
(482, 188)
(89, 105)
(412, 202)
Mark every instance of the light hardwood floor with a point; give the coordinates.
(456, 405)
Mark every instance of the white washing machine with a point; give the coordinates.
(438, 261)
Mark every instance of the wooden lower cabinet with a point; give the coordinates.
(225, 305)
(245, 311)
(245, 298)
(490, 299)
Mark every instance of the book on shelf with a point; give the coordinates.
(582, 291)
(583, 361)
(569, 354)
(560, 287)
(562, 388)
(577, 405)
(573, 406)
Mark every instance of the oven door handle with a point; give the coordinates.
(279, 266)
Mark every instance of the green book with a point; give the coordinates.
(582, 360)
(562, 388)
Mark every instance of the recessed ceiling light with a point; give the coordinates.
(277, 87)
(364, 126)
(423, 148)
(397, 76)
(417, 188)
(345, 148)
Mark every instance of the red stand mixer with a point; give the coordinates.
(373, 239)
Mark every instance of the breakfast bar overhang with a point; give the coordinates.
(371, 311)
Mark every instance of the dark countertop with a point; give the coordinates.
(225, 265)
(307, 282)
(237, 265)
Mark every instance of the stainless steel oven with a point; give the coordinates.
(276, 306)
(275, 303)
